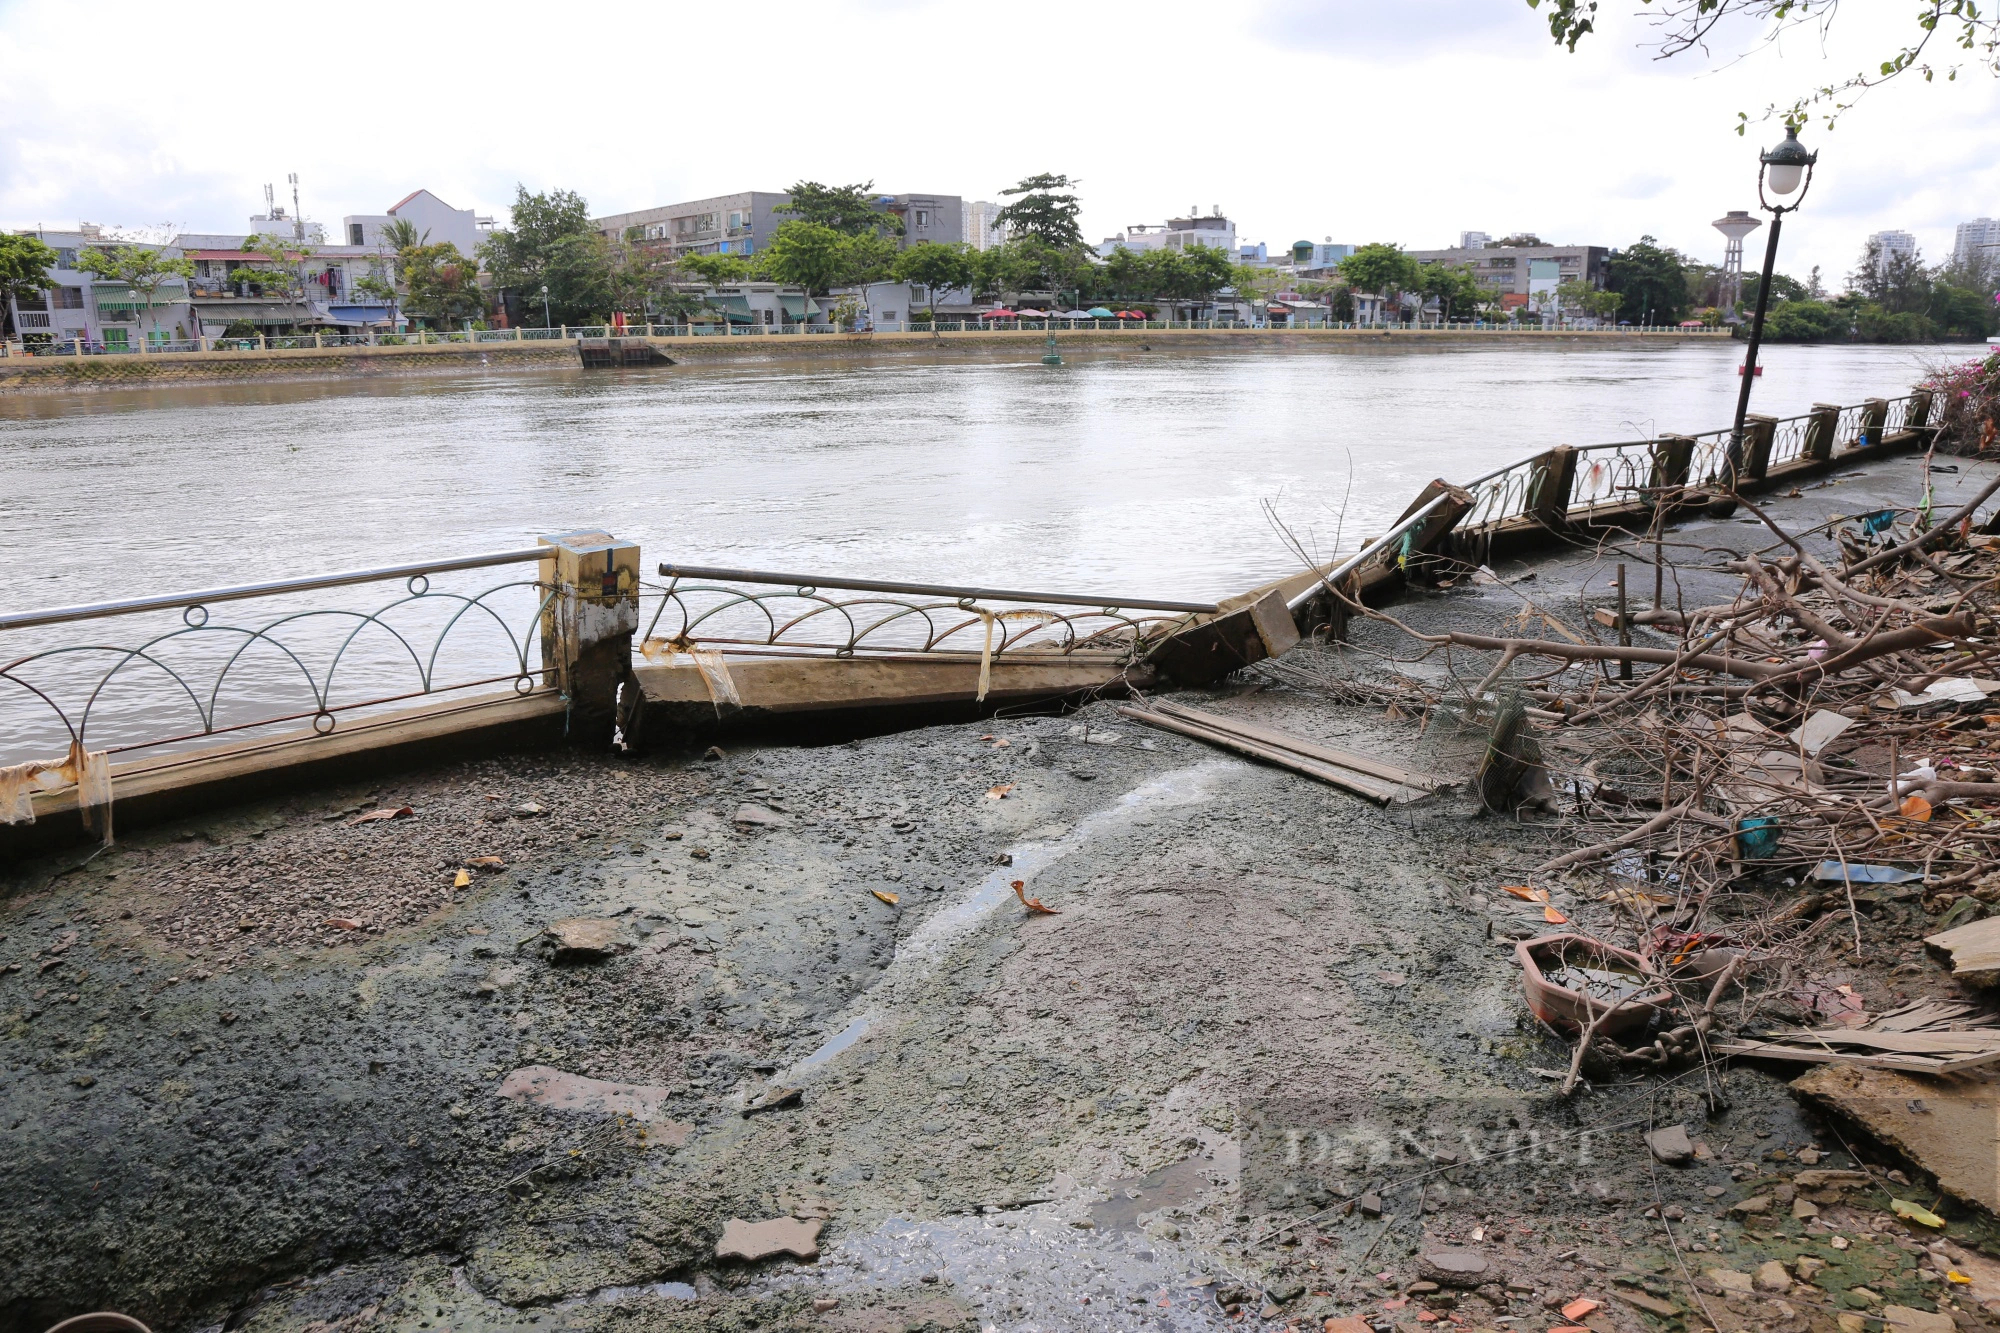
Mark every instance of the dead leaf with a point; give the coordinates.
(886, 896)
(1001, 743)
(373, 816)
(494, 864)
(1917, 808)
(342, 923)
(463, 879)
(1553, 917)
(1915, 1212)
(1000, 792)
(1526, 894)
(1032, 904)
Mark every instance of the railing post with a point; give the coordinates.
(1874, 415)
(591, 590)
(1673, 455)
(263, 343)
(1819, 432)
(1918, 419)
(1759, 432)
(1552, 477)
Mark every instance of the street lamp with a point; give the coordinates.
(1783, 169)
(545, 307)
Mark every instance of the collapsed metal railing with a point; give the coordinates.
(716, 608)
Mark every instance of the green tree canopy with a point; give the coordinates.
(1043, 210)
(24, 266)
(818, 258)
(935, 267)
(1453, 286)
(716, 270)
(848, 209)
(1651, 282)
(442, 284)
(1380, 269)
(541, 237)
(143, 268)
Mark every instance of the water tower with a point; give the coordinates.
(1736, 224)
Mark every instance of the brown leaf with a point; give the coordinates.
(1916, 808)
(1526, 894)
(373, 816)
(490, 864)
(999, 793)
(886, 896)
(342, 923)
(462, 880)
(1553, 917)
(1032, 904)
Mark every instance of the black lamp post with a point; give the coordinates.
(1784, 169)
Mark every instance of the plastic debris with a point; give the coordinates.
(1833, 872)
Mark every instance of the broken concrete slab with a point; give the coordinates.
(1652, 1305)
(1741, 1284)
(757, 816)
(1950, 1128)
(1455, 1268)
(586, 939)
(1670, 1145)
(798, 1237)
(1908, 1319)
(543, 1085)
(1771, 1276)
(1973, 951)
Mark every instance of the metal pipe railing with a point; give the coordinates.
(58, 615)
(1361, 557)
(673, 571)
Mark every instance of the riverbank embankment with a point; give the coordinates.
(497, 351)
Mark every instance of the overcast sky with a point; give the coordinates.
(1362, 120)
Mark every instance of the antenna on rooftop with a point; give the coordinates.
(298, 218)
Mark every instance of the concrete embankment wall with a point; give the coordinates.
(66, 374)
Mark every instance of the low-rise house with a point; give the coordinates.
(1214, 230)
(229, 291)
(435, 220)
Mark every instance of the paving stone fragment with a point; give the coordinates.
(777, 1235)
(1771, 1276)
(1670, 1145)
(586, 939)
(1455, 1268)
(1730, 1280)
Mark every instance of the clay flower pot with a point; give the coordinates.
(1568, 1008)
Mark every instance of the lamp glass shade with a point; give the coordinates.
(1784, 177)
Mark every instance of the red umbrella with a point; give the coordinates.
(1132, 314)
(999, 314)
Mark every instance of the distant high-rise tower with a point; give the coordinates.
(1735, 224)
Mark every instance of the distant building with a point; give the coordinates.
(76, 305)
(743, 223)
(1214, 230)
(430, 215)
(1977, 240)
(1473, 240)
(1253, 254)
(1889, 245)
(1309, 256)
(981, 228)
(1525, 270)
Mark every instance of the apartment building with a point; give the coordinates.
(78, 305)
(743, 223)
(1890, 246)
(1525, 270)
(1976, 240)
(981, 228)
(1212, 230)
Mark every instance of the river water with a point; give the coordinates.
(1129, 473)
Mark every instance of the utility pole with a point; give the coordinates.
(298, 222)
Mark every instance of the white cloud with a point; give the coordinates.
(1404, 120)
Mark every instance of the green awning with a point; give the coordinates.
(798, 307)
(735, 309)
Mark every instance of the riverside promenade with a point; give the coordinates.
(337, 355)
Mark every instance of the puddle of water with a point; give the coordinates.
(918, 955)
(675, 1291)
(1169, 1187)
(1032, 1270)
